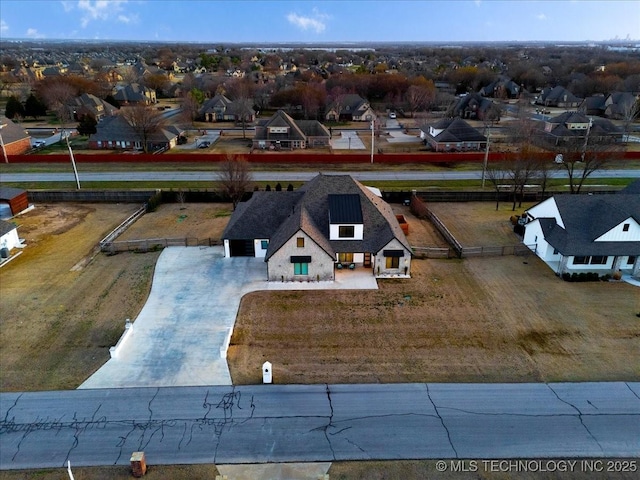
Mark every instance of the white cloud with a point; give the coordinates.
(477, 2)
(316, 21)
(541, 16)
(4, 28)
(33, 33)
(127, 18)
(93, 10)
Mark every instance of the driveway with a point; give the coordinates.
(348, 140)
(178, 335)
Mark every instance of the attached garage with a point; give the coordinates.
(242, 248)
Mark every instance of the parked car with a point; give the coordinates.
(392, 115)
(204, 145)
(38, 144)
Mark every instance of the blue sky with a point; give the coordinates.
(267, 21)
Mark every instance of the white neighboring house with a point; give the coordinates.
(8, 235)
(587, 233)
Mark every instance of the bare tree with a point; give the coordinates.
(630, 111)
(57, 95)
(580, 156)
(241, 92)
(338, 96)
(235, 177)
(497, 175)
(145, 121)
(420, 97)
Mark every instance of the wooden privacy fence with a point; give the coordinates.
(152, 244)
(495, 251)
(433, 252)
(467, 252)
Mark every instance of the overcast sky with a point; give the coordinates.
(321, 21)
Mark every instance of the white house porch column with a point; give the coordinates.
(636, 268)
(562, 268)
(617, 263)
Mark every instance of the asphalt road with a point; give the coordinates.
(304, 423)
(263, 176)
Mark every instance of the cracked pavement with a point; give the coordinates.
(310, 423)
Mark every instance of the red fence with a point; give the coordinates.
(286, 158)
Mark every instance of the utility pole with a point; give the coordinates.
(486, 158)
(4, 150)
(73, 162)
(586, 140)
(372, 140)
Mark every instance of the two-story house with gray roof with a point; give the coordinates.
(135, 94)
(281, 132)
(331, 223)
(587, 233)
(352, 107)
(221, 109)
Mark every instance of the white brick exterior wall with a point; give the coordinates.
(280, 268)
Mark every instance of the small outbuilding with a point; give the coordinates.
(15, 198)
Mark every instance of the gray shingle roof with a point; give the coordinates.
(6, 227)
(279, 215)
(587, 217)
(455, 130)
(11, 131)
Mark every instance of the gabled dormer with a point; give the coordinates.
(345, 217)
(626, 231)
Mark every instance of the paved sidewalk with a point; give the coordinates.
(190, 311)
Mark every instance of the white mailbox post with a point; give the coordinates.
(266, 372)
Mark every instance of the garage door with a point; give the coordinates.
(242, 248)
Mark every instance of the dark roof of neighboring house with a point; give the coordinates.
(587, 217)
(133, 92)
(596, 102)
(351, 103)
(600, 126)
(93, 104)
(11, 132)
(298, 129)
(557, 94)
(505, 82)
(210, 104)
(473, 101)
(116, 128)
(279, 215)
(6, 227)
(454, 130)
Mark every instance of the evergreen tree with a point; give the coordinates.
(87, 125)
(14, 108)
(34, 107)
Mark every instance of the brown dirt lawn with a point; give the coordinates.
(482, 319)
(63, 304)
